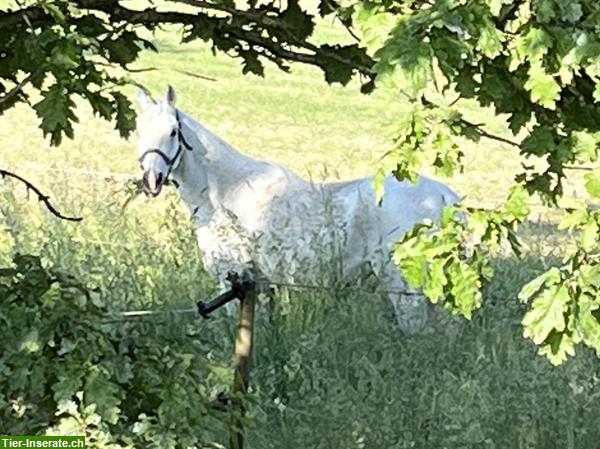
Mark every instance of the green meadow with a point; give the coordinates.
(331, 370)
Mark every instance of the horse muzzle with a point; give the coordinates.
(152, 182)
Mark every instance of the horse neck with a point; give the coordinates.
(213, 169)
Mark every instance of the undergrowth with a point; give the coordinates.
(331, 370)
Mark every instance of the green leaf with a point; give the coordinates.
(496, 6)
(100, 105)
(478, 225)
(56, 110)
(405, 61)
(339, 62)
(588, 277)
(549, 278)
(596, 93)
(544, 89)
(588, 323)
(558, 347)
(54, 10)
(466, 288)
(434, 287)
(589, 236)
(546, 314)
(410, 255)
(125, 114)
(532, 47)
(490, 40)
(251, 63)
(375, 25)
(123, 48)
(65, 55)
(545, 10)
(592, 183)
(573, 218)
(326, 7)
(516, 205)
(100, 390)
(585, 146)
(31, 342)
(540, 141)
(378, 184)
(298, 21)
(570, 10)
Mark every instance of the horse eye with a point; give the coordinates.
(173, 133)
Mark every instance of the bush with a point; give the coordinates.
(67, 366)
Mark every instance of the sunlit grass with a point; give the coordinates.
(322, 132)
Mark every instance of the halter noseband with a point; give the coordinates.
(170, 162)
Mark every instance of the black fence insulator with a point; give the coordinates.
(238, 290)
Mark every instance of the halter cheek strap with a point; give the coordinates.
(170, 162)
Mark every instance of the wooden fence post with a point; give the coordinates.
(242, 355)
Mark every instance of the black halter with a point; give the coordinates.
(170, 162)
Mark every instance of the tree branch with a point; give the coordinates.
(19, 87)
(151, 17)
(13, 18)
(152, 69)
(483, 133)
(41, 197)
(480, 130)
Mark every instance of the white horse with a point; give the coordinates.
(256, 215)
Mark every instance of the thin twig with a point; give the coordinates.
(575, 167)
(153, 69)
(41, 197)
(491, 136)
(479, 127)
(19, 87)
(336, 10)
(183, 72)
(453, 102)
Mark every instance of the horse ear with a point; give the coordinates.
(171, 96)
(144, 100)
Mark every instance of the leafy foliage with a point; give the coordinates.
(69, 366)
(566, 299)
(64, 49)
(536, 62)
(451, 262)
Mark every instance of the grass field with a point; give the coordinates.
(331, 371)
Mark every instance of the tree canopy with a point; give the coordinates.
(66, 48)
(536, 61)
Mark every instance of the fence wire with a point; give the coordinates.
(128, 315)
(100, 176)
(103, 176)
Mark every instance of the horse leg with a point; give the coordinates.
(412, 310)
